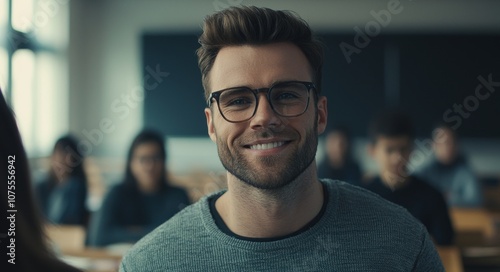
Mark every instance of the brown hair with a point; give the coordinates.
(256, 26)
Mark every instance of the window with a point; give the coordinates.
(4, 14)
(23, 68)
(4, 67)
(51, 100)
(33, 59)
(4, 56)
(22, 15)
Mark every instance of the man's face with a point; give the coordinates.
(147, 165)
(60, 166)
(337, 146)
(445, 145)
(392, 155)
(268, 151)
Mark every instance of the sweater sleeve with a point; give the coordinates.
(428, 259)
(122, 267)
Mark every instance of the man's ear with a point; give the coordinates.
(210, 124)
(322, 114)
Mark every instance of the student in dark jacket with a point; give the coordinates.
(63, 193)
(338, 162)
(449, 172)
(391, 137)
(143, 201)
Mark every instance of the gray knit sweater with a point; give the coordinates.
(359, 231)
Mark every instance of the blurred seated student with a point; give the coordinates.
(63, 193)
(338, 163)
(449, 172)
(391, 143)
(143, 201)
(32, 252)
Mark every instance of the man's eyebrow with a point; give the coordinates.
(283, 81)
(235, 87)
(272, 84)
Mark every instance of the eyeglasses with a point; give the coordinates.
(239, 104)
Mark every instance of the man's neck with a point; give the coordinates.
(255, 213)
(392, 181)
(337, 162)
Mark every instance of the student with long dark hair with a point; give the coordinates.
(63, 193)
(25, 232)
(143, 201)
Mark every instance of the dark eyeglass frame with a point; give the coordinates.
(216, 95)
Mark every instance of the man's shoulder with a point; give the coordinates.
(183, 230)
(358, 204)
(355, 219)
(358, 196)
(371, 224)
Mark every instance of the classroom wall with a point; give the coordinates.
(105, 55)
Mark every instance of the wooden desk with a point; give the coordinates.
(94, 253)
(473, 219)
(450, 256)
(66, 237)
(93, 259)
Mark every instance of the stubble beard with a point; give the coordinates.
(279, 171)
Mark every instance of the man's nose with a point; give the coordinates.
(264, 114)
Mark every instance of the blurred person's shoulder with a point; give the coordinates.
(356, 204)
(372, 225)
(177, 190)
(424, 186)
(183, 231)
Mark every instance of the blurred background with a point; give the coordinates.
(104, 69)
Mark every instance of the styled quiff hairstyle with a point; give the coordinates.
(256, 26)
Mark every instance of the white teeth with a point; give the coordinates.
(266, 146)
